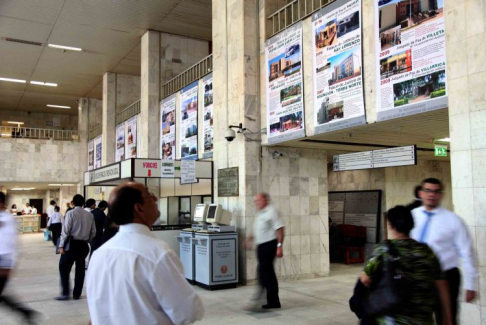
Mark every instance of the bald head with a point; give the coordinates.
(262, 200)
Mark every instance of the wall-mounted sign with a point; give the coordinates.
(208, 116)
(56, 121)
(147, 168)
(188, 171)
(168, 125)
(120, 142)
(228, 182)
(132, 138)
(167, 168)
(188, 122)
(440, 150)
(97, 190)
(392, 157)
(97, 151)
(107, 173)
(91, 155)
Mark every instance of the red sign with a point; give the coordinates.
(224, 269)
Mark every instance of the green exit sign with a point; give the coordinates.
(440, 151)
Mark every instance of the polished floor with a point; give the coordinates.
(312, 301)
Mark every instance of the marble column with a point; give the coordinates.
(83, 114)
(150, 97)
(108, 119)
(466, 76)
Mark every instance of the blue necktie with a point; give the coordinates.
(424, 229)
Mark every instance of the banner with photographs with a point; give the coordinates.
(208, 116)
(132, 137)
(410, 57)
(91, 155)
(168, 125)
(338, 67)
(188, 122)
(285, 95)
(97, 148)
(120, 142)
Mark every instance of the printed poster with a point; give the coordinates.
(208, 116)
(188, 171)
(120, 142)
(285, 95)
(97, 148)
(132, 137)
(338, 67)
(91, 155)
(168, 124)
(410, 57)
(188, 122)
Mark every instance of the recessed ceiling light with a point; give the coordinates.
(22, 188)
(444, 140)
(54, 184)
(67, 184)
(58, 106)
(62, 47)
(13, 122)
(50, 84)
(13, 80)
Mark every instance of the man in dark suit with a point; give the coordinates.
(100, 219)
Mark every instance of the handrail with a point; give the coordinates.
(293, 12)
(196, 72)
(97, 131)
(37, 133)
(128, 112)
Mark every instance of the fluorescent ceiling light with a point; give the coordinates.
(54, 184)
(50, 84)
(13, 80)
(67, 184)
(444, 140)
(62, 47)
(6, 135)
(13, 122)
(58, 106)
(22, 188)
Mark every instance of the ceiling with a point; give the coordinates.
(37, 186)
(108, 31)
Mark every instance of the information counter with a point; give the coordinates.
(28, 223)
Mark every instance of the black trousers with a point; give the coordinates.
(56, 229)
(77, 254)
(453, 277)
(266, 253)
(10, 302)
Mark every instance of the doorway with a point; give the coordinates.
(38, 204)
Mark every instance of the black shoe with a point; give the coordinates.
(62, 298)
(76, 297)
(268, 306)
(32, 317)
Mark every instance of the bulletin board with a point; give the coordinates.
(359, 208)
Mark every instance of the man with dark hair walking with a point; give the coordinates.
(447, 235)
(78, 229)
(135, 278)
(90, 205)
(100, 219)
(417, 202)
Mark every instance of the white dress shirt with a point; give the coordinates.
(27, 210)
(50, 210)
(79, 224)
(8, 240)
(56, 217)
(266, 224)
(135, 278)
(449, 238)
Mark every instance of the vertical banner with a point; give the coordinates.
(285, 102)
(91, 155)
(410, 57)
(208, 116)
(188, 119)
(97, 148)
(132, 137)
(120, 142)
(337, 67)
(168, 125)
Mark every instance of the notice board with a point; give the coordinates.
(359, 208)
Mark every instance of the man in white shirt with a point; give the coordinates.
(268, 235)
(27, 209)
(135, 278)
(447, 235)
(34, 211)
(50, 208)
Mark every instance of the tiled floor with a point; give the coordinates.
(313, 301)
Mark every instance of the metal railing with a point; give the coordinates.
(36, 133)
(196, 72)
(128, 112)
(97, 131)
(293, 12)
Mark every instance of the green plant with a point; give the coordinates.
(401, 102)
(438, 93)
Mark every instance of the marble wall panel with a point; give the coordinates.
(41, 120)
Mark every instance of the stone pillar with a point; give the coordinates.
(150, 97)
(83, 113)
(108, 119)
(466, 76)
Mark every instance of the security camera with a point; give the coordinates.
(230, 135)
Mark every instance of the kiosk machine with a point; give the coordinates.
(187, 246)
(216, 253)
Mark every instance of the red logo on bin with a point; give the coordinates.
(224, 269)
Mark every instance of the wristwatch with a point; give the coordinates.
(279, 245)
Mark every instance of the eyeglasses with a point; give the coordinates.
(426, 190)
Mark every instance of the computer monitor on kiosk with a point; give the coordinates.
(200, 213)
(214, 214)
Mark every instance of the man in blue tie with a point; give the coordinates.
(448, 237)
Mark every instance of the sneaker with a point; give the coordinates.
(62, 298)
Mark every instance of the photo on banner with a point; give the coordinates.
(285, 94)
(208, 116)
(188, 122)
(91, 155)
(97, 146)
(132, 137)
(410, 57)
(338, 67)
(120, 142)
(168, 127)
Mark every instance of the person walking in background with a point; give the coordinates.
(55, 225)
(420, 269)
(90, 205)
(69, 206)
(135, 278)
(268, 235)
(417, 202)
(448, 237)
(111, 229)
(50, 208)
(8, 251)
(78, 229)
(100, 219)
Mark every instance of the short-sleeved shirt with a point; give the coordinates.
(267, 222)
(421, 267)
